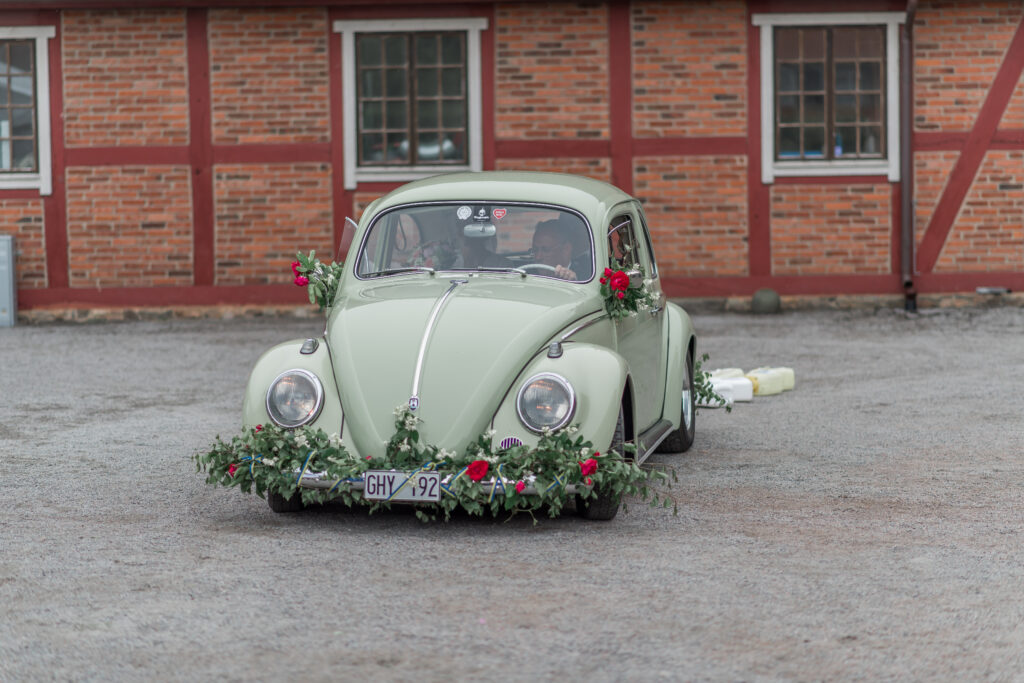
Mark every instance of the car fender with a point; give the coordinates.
(285, 357)
(598, 377)
(680, 340)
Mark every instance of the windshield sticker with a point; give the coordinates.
(499, 214)
(481, 215)
(464, 212)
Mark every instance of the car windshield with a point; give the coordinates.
(537, 240)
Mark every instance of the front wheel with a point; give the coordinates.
(279, 503)
(680, 440)
(604, 506)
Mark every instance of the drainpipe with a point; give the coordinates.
(906, 159)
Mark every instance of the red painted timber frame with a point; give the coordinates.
(622, 148)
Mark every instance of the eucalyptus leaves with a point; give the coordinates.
(479, 479)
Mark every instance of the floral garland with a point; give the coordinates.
(321, 279)
(271, 459)
(621, 300)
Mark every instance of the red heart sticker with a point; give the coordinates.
(499, 214)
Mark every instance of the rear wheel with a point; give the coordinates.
(279, 503)
(681, 439)
(605, 506)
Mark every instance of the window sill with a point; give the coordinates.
(25, 181)
(788, 169)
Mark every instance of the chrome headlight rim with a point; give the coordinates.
(558, 379)
(313, 414)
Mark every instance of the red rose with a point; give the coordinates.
(607, 272)
(621, 295)
(588, 482)
(520, 486)
(259, 428)
(620, 281)
(604, 280)
(301, 281)
(588, 467)
(295, 267)
(477, 469)
(231, 469)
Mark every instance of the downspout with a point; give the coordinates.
(906, 159)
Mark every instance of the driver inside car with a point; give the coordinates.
(553, 246)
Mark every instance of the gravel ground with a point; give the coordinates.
(865, 526)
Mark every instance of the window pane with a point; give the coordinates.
(371, 83)
(426, 49)
(846, 76)
(5, 155)
(396, 115)
(426, 114)
(787, 43)
(394, 51)
(21, 90)
(814, 108)
(427, 82)
(789, 109)
(789, 77)
(454, 114)
(814, 76)
(846, 141)
(5, 85)
(372, 147)
(814, 43)
(451, 82)
(372, 115)
(395, 83)
(869, 76)
(428, 149)
(814, 142)
(789, 142)
(451, 48)
(870, 109)
(846, 108)
(22, 123)
(369, 49)
(844, 43)
(871, 140)
(871, 43)
(453, 147)
(21, 58)
(398, 147)
(24, 154)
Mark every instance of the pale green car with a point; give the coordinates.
(475, 299)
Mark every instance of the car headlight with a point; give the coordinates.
(546, 401)
(294, 398)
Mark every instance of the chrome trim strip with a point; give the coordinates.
(658, 433)
(585, 325)
(414, 399)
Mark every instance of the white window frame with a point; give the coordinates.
(42, 179)
(354, 173)
(772, 168)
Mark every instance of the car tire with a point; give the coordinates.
(680, 440)
(605, 506)
(279, 503)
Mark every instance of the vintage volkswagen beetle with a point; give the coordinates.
(474, 298)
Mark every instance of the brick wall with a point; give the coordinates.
(931, 175)
(269, 75)
(23, 220)
(689, 68)
(599, 169)
(958, 49)
(1013, 117)
(264, 214)
(696, 208)
(129, 227)
(125, 78)
(989, 232)
(831, 229)
(552, 71)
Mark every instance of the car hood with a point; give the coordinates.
(485, 332)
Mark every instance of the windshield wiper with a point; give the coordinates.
(395, 271)
(502, 269)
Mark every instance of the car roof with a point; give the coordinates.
(586, 195)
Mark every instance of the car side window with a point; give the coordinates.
(650, 263)
(622, 252)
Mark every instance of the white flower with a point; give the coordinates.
(301, 441)
(334, 440)
(404, 446)
(410, 422)
(584, 452)
(648, 282)
(490, 433)
(573, 429)
(400, 410)
(545, 431)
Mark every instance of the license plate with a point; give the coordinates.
(412, 487)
